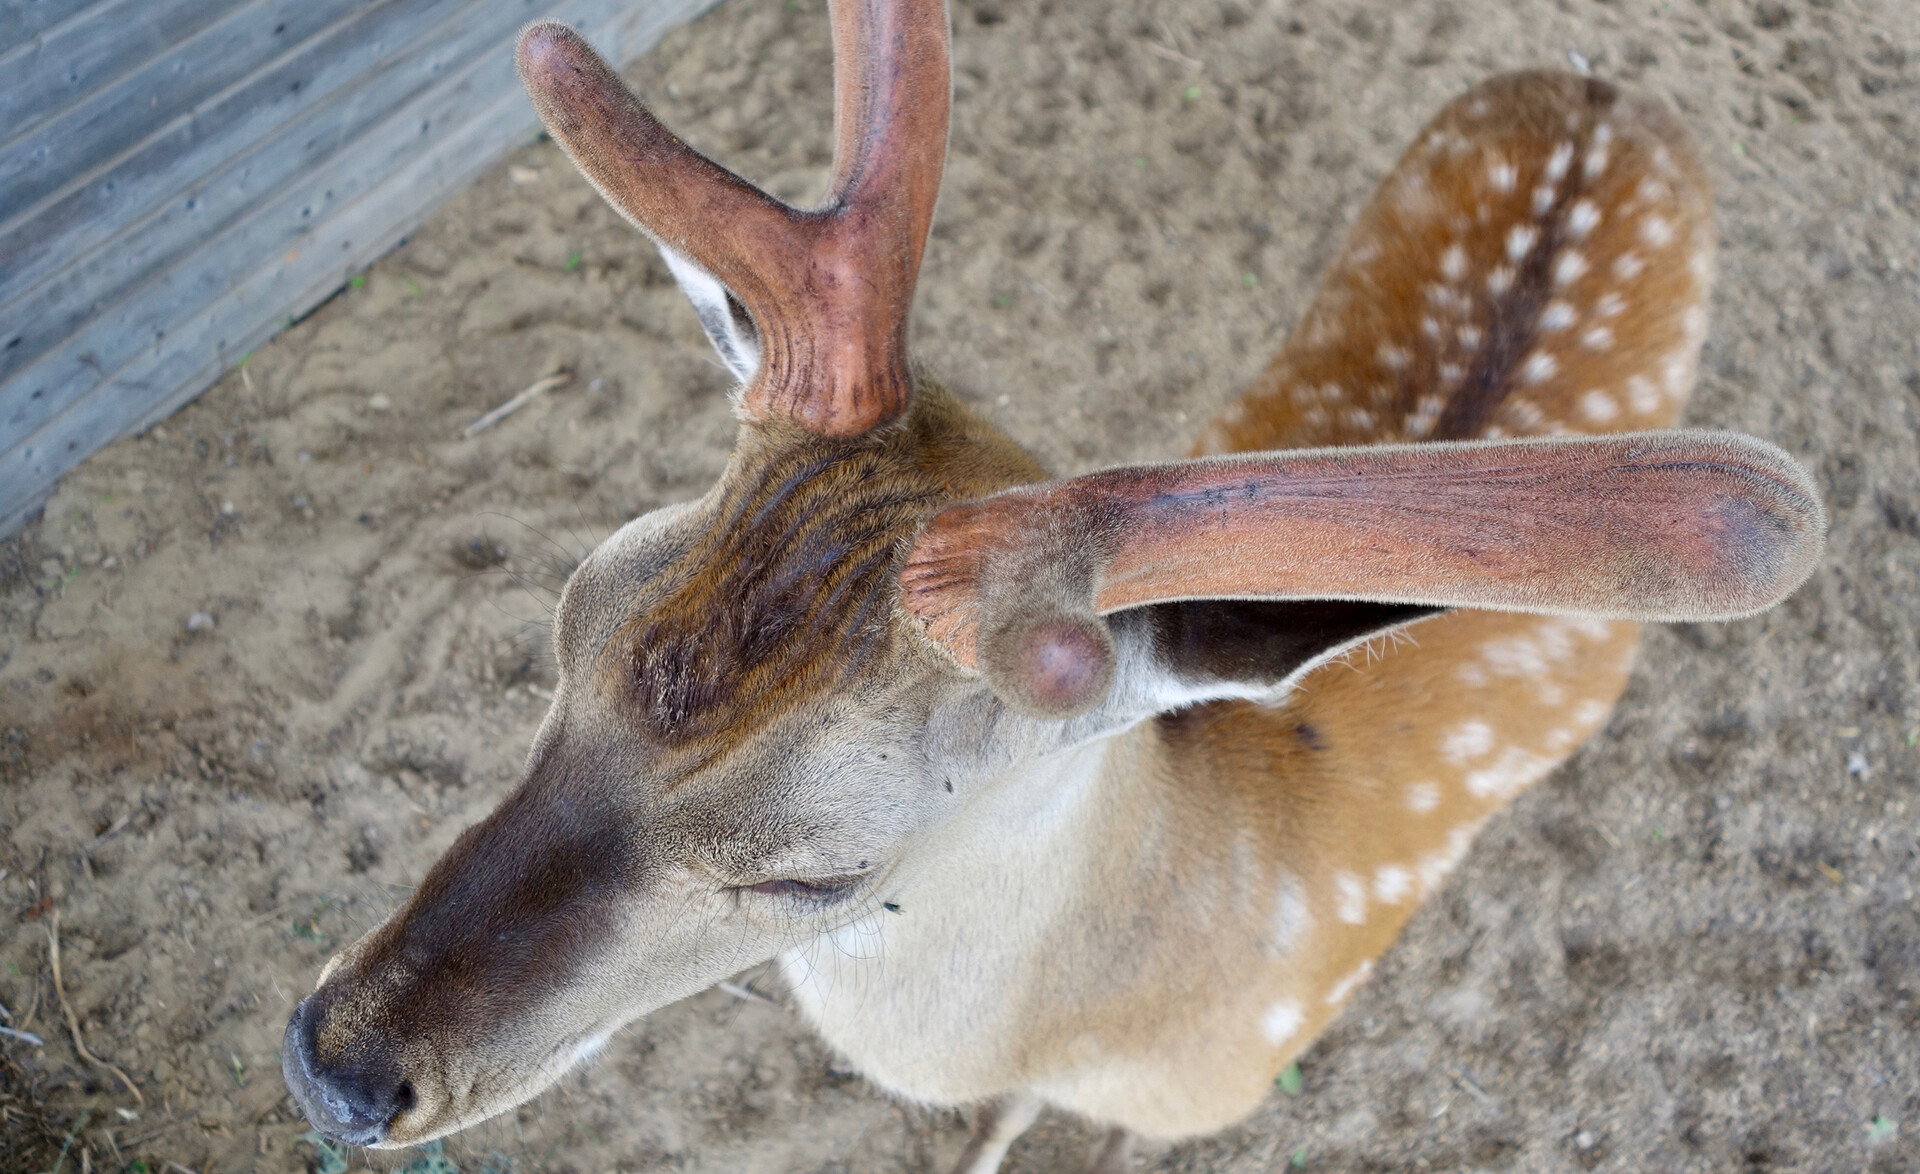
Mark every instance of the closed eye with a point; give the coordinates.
(820, 890)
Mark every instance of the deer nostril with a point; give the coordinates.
(403, 1098)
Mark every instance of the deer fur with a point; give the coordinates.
(1047, 793)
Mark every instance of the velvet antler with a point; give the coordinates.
(828, 288)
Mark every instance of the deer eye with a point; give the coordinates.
(819, 890)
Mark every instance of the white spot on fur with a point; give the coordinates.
(1453, 263)
(1338, 992)
(1655, 230)
(1512, 772)
(1591, 712)
(1392, 884)
(1693, 322)
(1292, 920)
(1677, 373)
(1598, 407)
(1423, 797)
(1471, 673)
(1558, 161)
(1599, 338)
(1359, 419)
(1468, 740)
(1610, 305)
(1502, 174)
(1596, 160)
(1651, 190)
(1470, 337)
(1352, 892)
(1452, 372)
(1391, 357)
(1525, 414)
(1426, 414)
(1628, 266)
(1543, 199)
(1435, 866)
(1514, 656)
(1582, 218)
(1557, 316)
(1642, 396)
(1499, 281)
(1280, 1022)
(1588, 626)
(1520, 240)
(1430, 326)
(1539, 367)
(1555, 638)
(1559, 738)
(1568, 267)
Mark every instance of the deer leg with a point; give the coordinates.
(1115, 1155)
(994, 1129)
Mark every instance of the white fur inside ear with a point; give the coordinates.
(726, 323)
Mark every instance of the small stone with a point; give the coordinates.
(596, 384)
(379, 402)
(200, 621)
(1583, 1140)
(110, 562)
(303, 457)
(1858, 766)
(228, 509)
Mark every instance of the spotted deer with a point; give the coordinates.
(1075, 792)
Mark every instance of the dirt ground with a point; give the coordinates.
(1697, 947)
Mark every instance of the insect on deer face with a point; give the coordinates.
(775, 703)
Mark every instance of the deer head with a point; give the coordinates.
(773, 701)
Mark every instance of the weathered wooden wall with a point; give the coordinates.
(179, 179)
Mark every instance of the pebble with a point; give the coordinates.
(379, 402)
(200, 621)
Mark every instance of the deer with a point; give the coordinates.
(1099, 793)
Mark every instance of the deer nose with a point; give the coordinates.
(350, 1102)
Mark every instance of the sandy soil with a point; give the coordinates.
(1695, 948)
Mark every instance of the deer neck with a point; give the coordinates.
(1023, 855)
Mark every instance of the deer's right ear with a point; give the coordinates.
(1637, 526)
(728, 325)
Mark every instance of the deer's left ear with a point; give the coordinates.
(1172, 655)
(728, 325)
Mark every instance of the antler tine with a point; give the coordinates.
(829, 288)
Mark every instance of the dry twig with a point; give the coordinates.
(537, 388)
(73, 1021)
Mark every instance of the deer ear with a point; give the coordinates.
(729, 327)
(1215, 649)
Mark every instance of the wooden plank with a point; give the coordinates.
(113, 119)
(61, 266)
(23, 20)
(254, 303)
(145, 315)
(51, 73)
